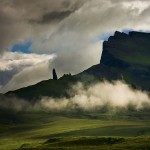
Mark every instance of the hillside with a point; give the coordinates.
(124, 57)
(52, 88)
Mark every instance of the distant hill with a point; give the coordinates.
(124, 57)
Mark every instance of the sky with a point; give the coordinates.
(38, 35)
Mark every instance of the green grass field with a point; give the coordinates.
(90, 143)
(71, 131)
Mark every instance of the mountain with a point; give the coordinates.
(127, 57)
(124, 57)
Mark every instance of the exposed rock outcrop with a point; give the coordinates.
(54, 75)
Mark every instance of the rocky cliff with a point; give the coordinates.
(125, 57)
(122, 50)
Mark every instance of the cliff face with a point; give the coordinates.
(127, 57)
(122, 50)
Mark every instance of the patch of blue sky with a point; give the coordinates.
(105, 36)
(22, 47)
(126, 30)
(102, 37)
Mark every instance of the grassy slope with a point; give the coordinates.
(49, 88)
(90, 143)
(36, 128)
(131, 50)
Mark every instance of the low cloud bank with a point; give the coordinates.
(114, 95)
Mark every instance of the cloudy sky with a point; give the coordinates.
(38, 35)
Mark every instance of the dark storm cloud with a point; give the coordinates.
(16, 17)
(52, 17)
(65, 9)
